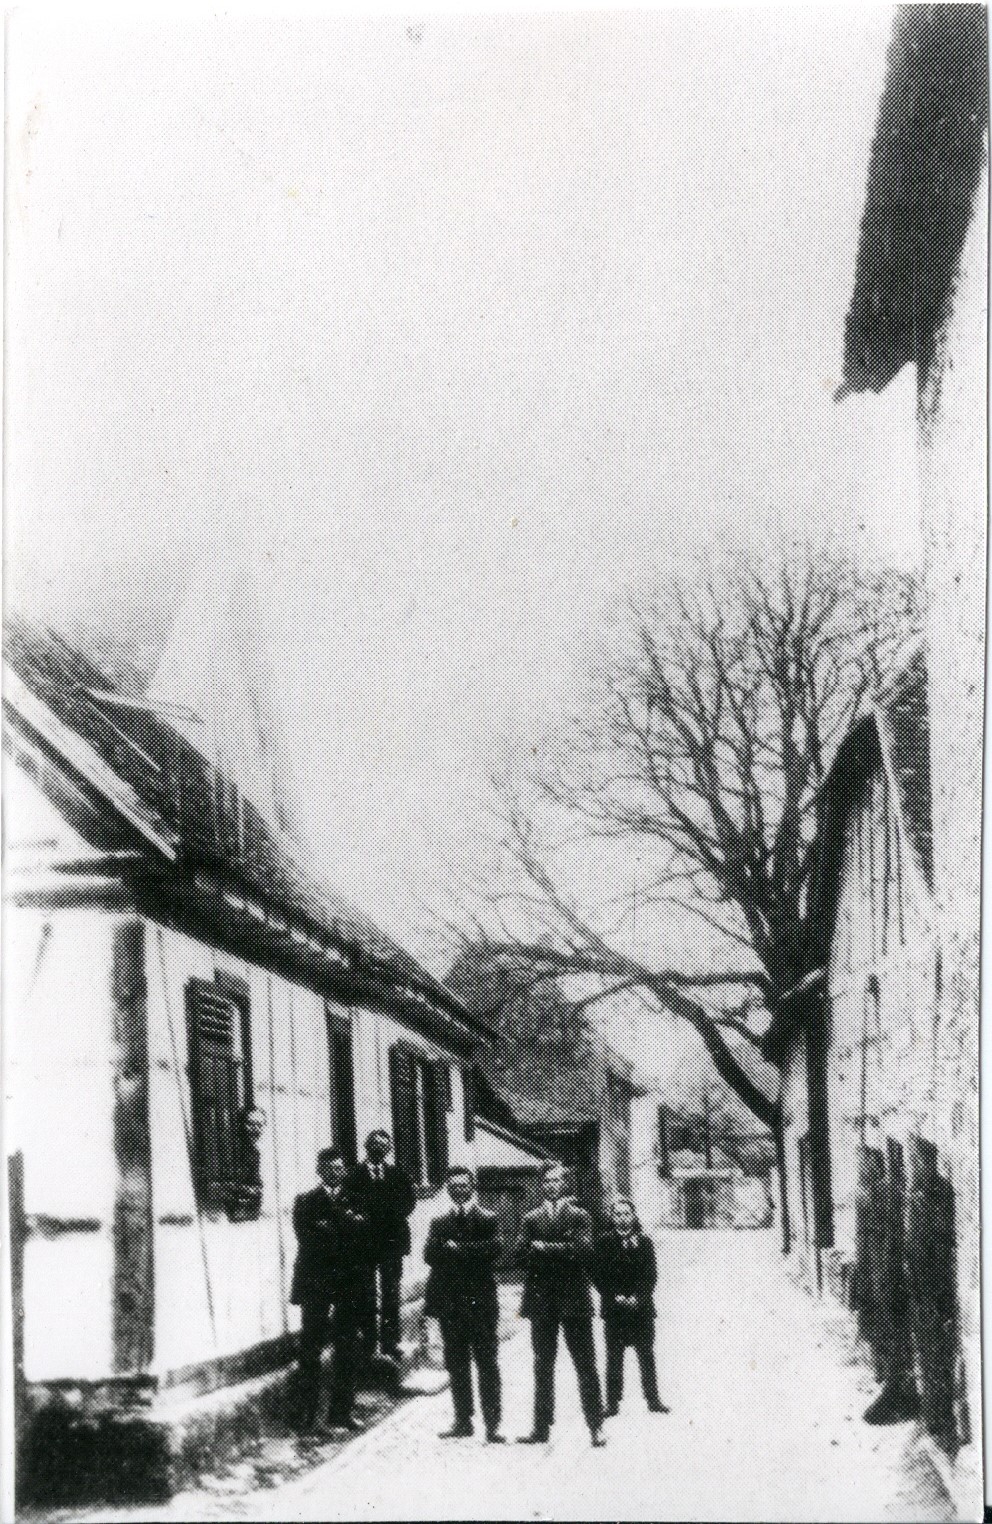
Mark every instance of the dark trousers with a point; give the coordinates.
(467, 1339)
(316, 1327)
(381, 1311)
(579, 1342)
(622, 1335)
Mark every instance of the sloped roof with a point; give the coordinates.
(201, 823)
(552, 1095)
(550, 1068)
(894, 735)
(926, 163)
(499, 1147)
(902, 715)
(213, 672)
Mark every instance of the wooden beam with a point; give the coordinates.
(133, 1285)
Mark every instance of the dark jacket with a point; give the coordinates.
(461, 1282)
(625, 1272)
(329, 1234)
(556, 1283)
(386, 1205)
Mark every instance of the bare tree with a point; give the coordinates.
(704, 756)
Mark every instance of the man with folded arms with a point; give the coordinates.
(462, 1251)
(327, 1288)
(555, 1251)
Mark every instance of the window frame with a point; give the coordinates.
(420, 1137)
(344, 1114)
(230, 1184)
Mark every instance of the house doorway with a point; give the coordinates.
(698, 1196)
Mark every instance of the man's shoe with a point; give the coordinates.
(598, 1439)
(658, 1407)
(539, 1437)
(893, 1405)
(610, 1412)
(351, 1423)
(494, 1437)
(332, 1430)
(458, 1431)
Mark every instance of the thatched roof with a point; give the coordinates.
(143, 784)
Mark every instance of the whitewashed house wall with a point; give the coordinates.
(217, 1288)
(60, 1076)
(795, 1126)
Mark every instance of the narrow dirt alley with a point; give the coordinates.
(765, 1425)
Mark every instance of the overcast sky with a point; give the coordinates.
(450, 331)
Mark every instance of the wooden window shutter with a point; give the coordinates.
(216, 1083)
(468, 1092)
(437, 1078)
(402, 1084)
(342, 1064)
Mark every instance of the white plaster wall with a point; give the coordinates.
(221, 1287)
(889, 937)
(59, 1016)
(645, 1181)
(954, 496)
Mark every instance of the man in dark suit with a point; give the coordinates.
(555, 1250)
(626, 1271)
(326, 1277)
(385, 1196)
(462, 1250)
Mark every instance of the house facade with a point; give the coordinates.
(552, 1076)
(188, 1021)
(881, 1047)
(858, 1068)
(869, 1164)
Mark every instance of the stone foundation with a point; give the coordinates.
(130, 1441)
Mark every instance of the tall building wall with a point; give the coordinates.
(954, 499)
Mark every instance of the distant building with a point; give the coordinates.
(712, 1191)
(881, 1048)
(189, 1017)
(593, 1138)
(551, 1076)
(508, 1169)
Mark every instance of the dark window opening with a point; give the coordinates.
(343, 1123)
(468, 1096)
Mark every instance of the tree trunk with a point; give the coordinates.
(783, 1190)
(730, 1070)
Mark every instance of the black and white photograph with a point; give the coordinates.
(494, 601)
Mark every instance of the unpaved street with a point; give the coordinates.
(765, 1425)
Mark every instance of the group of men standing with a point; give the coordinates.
(353, 1233)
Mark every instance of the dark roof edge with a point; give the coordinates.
(927, 160)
